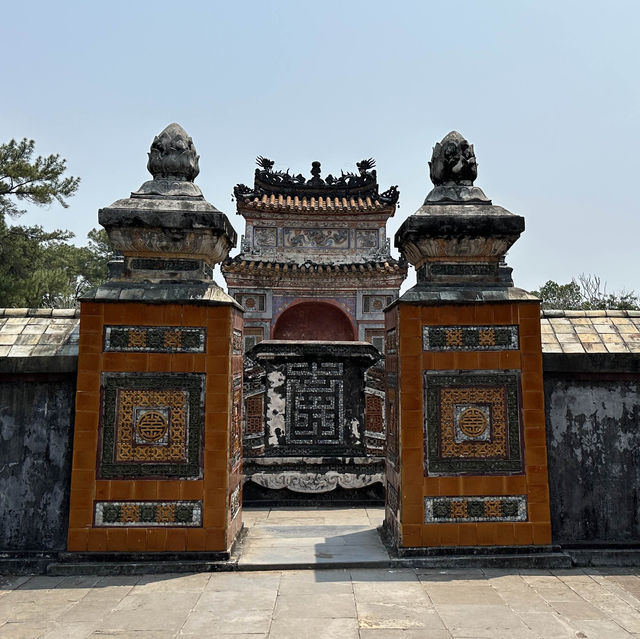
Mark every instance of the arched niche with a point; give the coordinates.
(314, 320)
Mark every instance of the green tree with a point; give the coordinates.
(40, 268)
(587, 293)
(36, 181)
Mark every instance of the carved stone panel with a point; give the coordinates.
(335, 238)
(151, 425)
(472, 423)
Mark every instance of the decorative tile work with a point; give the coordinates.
(316, 238)
(472, 422)
(252, 302)
(148, 514)
(470, 338)
(392, 426)
(254, 407)
(464, 269)
(234, 502)
(392, 501)
(375, 303)
(151, 264)
(391, 342)
(373, 413)
(151, 425)
(445, 510)
(155, 339)
(315, 403)
(235, 432)
(237, 343)
(367, 238)
(264, 237)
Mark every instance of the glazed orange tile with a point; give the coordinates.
(539, 495)
(168, 489)
(537, 475)
(468, 534)
(449, 534)
(191, 490)
(215, 539)
(444, 361)
(82, 479)
(91, 308)
(117, 539)
(409, 311)
(86, 421)
(145, 489)
(531, 310)
(156, 539)
(102, 489)
(83, 459)
(182, 363)
(97, 541)
(505, 535)
(136, 539)
(484, 314)
(89, 362)
(411, 535)
(79, 518)
(77, 539)
(503, 314)
(196, 539)
(539, 513)
(465, 360)
(121, 489)
(87, 343)
(541, 533)
(536, 455)
(488, 360)
(87, 400)
(523, 533)
(429, 536)
(509, 360)
(487, 535)
(449, 486)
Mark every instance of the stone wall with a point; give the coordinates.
(593, 441)
(36, 434)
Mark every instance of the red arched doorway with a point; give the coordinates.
(314, 320)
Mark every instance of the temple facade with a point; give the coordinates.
(315, 265)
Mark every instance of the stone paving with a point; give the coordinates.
(357, 603)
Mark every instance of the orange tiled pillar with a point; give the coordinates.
(157, 459)
(467, 461)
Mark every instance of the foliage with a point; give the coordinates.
(37, 181)
(42, 269)
(587, 293)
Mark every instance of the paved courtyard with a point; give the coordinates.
(374, 603)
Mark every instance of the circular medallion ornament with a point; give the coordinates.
(473, 422)
(152, 426)
(249, 302)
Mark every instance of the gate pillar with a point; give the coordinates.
(467, 460)
(157, 445)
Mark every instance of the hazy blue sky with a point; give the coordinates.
(547, 91)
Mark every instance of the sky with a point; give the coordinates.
(547, 91)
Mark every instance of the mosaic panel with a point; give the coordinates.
(151, 425)
(373, 413)
(392, 501)
(439, 510)
(252, 302)
(316, 238)
(470, 338)
(264, 237)
(155, 339)
(254, 407)
(234, 501)
(375, 303)
(392, 426)
(391, 342)
(441, 268)
(148, 513)
(472, 423)
(237, 343)
(367, 238)
(235, 433)
(315, 403)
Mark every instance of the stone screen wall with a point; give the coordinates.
(36, 431)
(593, 443)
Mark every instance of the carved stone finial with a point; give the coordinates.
(453, 169)
(453, 161)
(173, 155)
(173, 163)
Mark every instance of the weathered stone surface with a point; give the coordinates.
(36, 430)
(593, 442)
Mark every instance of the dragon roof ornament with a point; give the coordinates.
(358, 185)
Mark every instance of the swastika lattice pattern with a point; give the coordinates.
(315, 403)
